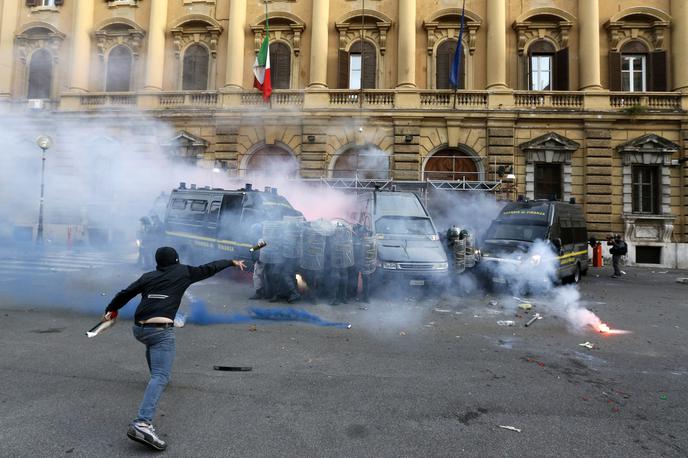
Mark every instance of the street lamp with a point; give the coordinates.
(44, 142)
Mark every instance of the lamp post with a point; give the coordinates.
(44, 142)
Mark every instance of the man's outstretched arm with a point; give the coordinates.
(208, 270)
(124, 296)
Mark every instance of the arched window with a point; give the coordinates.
(443, 64)
(272, 161)
(363, 162)
(119, 70)
(358, 67)
(541, 66)
(195, 71)
(280, 65)
(450, 165)
(40, 75)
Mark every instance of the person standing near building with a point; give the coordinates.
(161, 294)
(617, 250)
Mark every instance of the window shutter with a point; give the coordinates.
(658, 71)
(561, 70)
(59, 2)
(280, 65)
(614, 71)
(31, 3)
(369, 66)
(443, 61)
(343, 70)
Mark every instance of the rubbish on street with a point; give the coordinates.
(588, 345)
(493, 303)
(525, 306)
(506, 322)
(510, 428)
(402, 333)
(682, 280)
(233, 368)
(536, 317)
(441, 311)
(663, 397)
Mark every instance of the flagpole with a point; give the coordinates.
(459, 49)
(267, 35)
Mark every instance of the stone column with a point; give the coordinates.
(8, 24)
(496, 44)
(406, 58)
(81, 46)
(589, 38)
(679, 44)
(235, 44)
(320, 22)
(155, 53)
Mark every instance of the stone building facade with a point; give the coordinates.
(581, 99)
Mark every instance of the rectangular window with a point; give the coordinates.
(645, 183)
(179, 204)
(48, 3)
(355, 71)
(198, 205)
(633, 73)
(548, 181)
(541, 72)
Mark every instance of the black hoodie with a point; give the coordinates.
(162, 289)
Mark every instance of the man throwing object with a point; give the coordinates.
(161, 294)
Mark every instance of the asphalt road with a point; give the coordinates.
(414, 376)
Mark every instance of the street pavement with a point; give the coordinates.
(416, 375)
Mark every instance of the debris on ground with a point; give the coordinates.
(510, 428)
(588, 345)
(663, 397)
(402, 333)
(526, 306)
(506, 322)
(682, 280)
(441, 310)
(536, 317)
(233, 368)
(493, 303)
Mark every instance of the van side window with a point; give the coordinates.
(198, 205)
(179, 204)
(566, 231)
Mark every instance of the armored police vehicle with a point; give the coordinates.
(408, 246)
(204, 224)
(510, 244)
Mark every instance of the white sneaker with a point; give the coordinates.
(144, 433)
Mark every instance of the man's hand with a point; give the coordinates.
(107, 316)
(240, 264)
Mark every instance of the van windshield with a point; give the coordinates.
(399, 204)
(520, 231)
(399, 225)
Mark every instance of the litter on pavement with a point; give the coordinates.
(510, 428)
(588, 345)
(506, 322)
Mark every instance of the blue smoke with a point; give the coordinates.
(201, 316)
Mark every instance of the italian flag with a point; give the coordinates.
(261, 70)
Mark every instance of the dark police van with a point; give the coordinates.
(510, 238)
(408, 246)
(204, 224)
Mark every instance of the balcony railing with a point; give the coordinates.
(444, 99)
(378, 99)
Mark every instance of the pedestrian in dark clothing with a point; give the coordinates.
(161, 294)
(618, 249)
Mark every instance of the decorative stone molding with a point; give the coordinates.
(648, 228)
(445, 24)
(37, 35)
(374, 27)
(283, 27)
(550, 148)
(648, 24)
(551, 23)
(186, 146)
(649, 149)
(118, 3)
(195, 28)
(118, 31)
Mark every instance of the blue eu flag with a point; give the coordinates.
(456, 62)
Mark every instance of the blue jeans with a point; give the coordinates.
(160, 351)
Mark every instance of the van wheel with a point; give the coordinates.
(576, 277)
